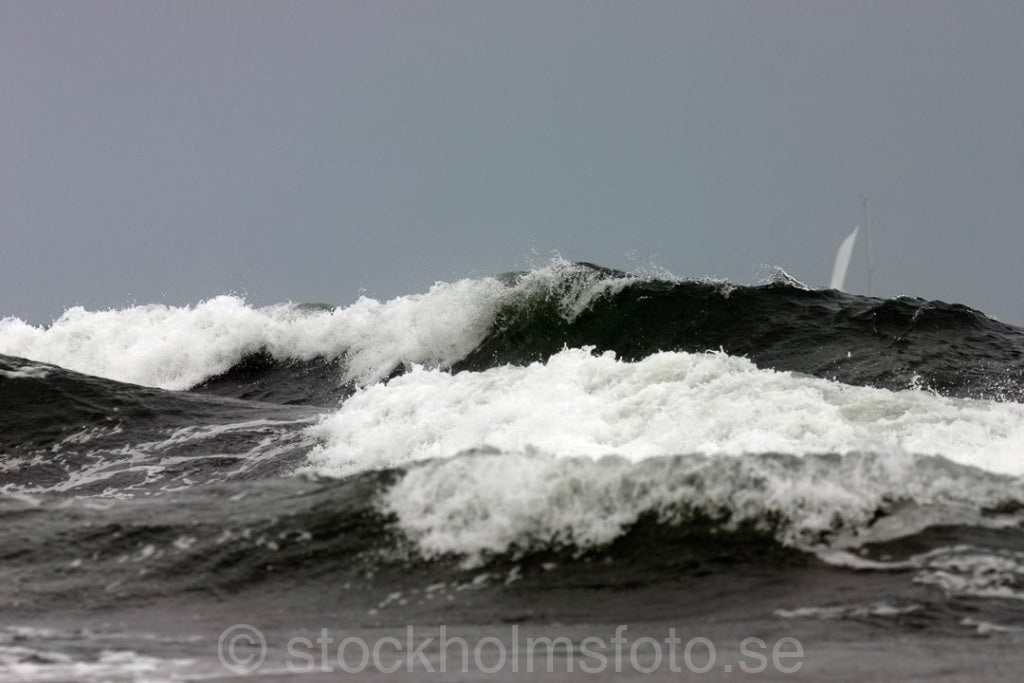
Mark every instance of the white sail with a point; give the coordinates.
(843, 260)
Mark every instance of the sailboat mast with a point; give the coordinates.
(866, 208)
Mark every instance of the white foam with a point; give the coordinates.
(668, 403)
(543, 432)
(476, 504)
(19, 663)
(984, 628)
(30, 372)
(973, 571)
(847, 611)
(178, 347)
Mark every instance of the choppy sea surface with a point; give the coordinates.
(552, 454)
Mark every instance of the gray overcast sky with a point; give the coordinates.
(172, 151)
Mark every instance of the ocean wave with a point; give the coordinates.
(64, 431)
(180, 347)
(479, 505)
(226, 345)
(580, 403)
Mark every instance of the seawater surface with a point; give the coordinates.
(565, 451)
